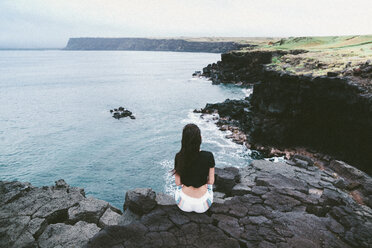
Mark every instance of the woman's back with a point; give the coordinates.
(194, 173)
(197, 174)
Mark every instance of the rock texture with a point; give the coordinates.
(54, 216)
(144, 44)
(262, 205)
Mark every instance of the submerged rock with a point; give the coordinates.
(121, 113)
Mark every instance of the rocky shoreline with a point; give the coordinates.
(323, 117)
(266, 204)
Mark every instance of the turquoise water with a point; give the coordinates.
(55, 121)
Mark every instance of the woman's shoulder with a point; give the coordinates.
(208, 156)
(206, 153)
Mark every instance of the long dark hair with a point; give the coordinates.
(190, 146)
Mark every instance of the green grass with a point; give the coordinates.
(321, 42)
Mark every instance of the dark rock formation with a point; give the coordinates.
(140, 201)
(241, 67)
(278, 205)
(332, 115)
(144, 44)
(54, 216)
(262, 205)
(121, 113)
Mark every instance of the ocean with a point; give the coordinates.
(55, 120)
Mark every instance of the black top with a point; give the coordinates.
(197, 174)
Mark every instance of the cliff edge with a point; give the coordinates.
(265, 204)
(145, 44)
(317, 100)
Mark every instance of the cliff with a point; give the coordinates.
(144, 44)
(265, 204)
(329, 114)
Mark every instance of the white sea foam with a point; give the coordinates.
(170, 185)
(215, 138)
(276, 159)
(247, 91)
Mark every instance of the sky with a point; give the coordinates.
(50, 23)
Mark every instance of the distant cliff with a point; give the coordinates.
(144, 44)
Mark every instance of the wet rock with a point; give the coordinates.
(121, 113)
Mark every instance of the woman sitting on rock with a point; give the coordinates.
(194, 173)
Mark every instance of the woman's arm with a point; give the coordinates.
(211, 176)
(177, 179)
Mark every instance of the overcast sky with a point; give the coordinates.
(49, 23)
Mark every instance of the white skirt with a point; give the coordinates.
(190, 204)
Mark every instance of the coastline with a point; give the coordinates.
(152, 44)
(311, 199)
(324, 117)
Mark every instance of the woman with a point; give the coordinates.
(194, 173)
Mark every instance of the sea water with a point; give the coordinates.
(55, 120)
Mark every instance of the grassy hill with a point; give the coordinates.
(340, 55)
